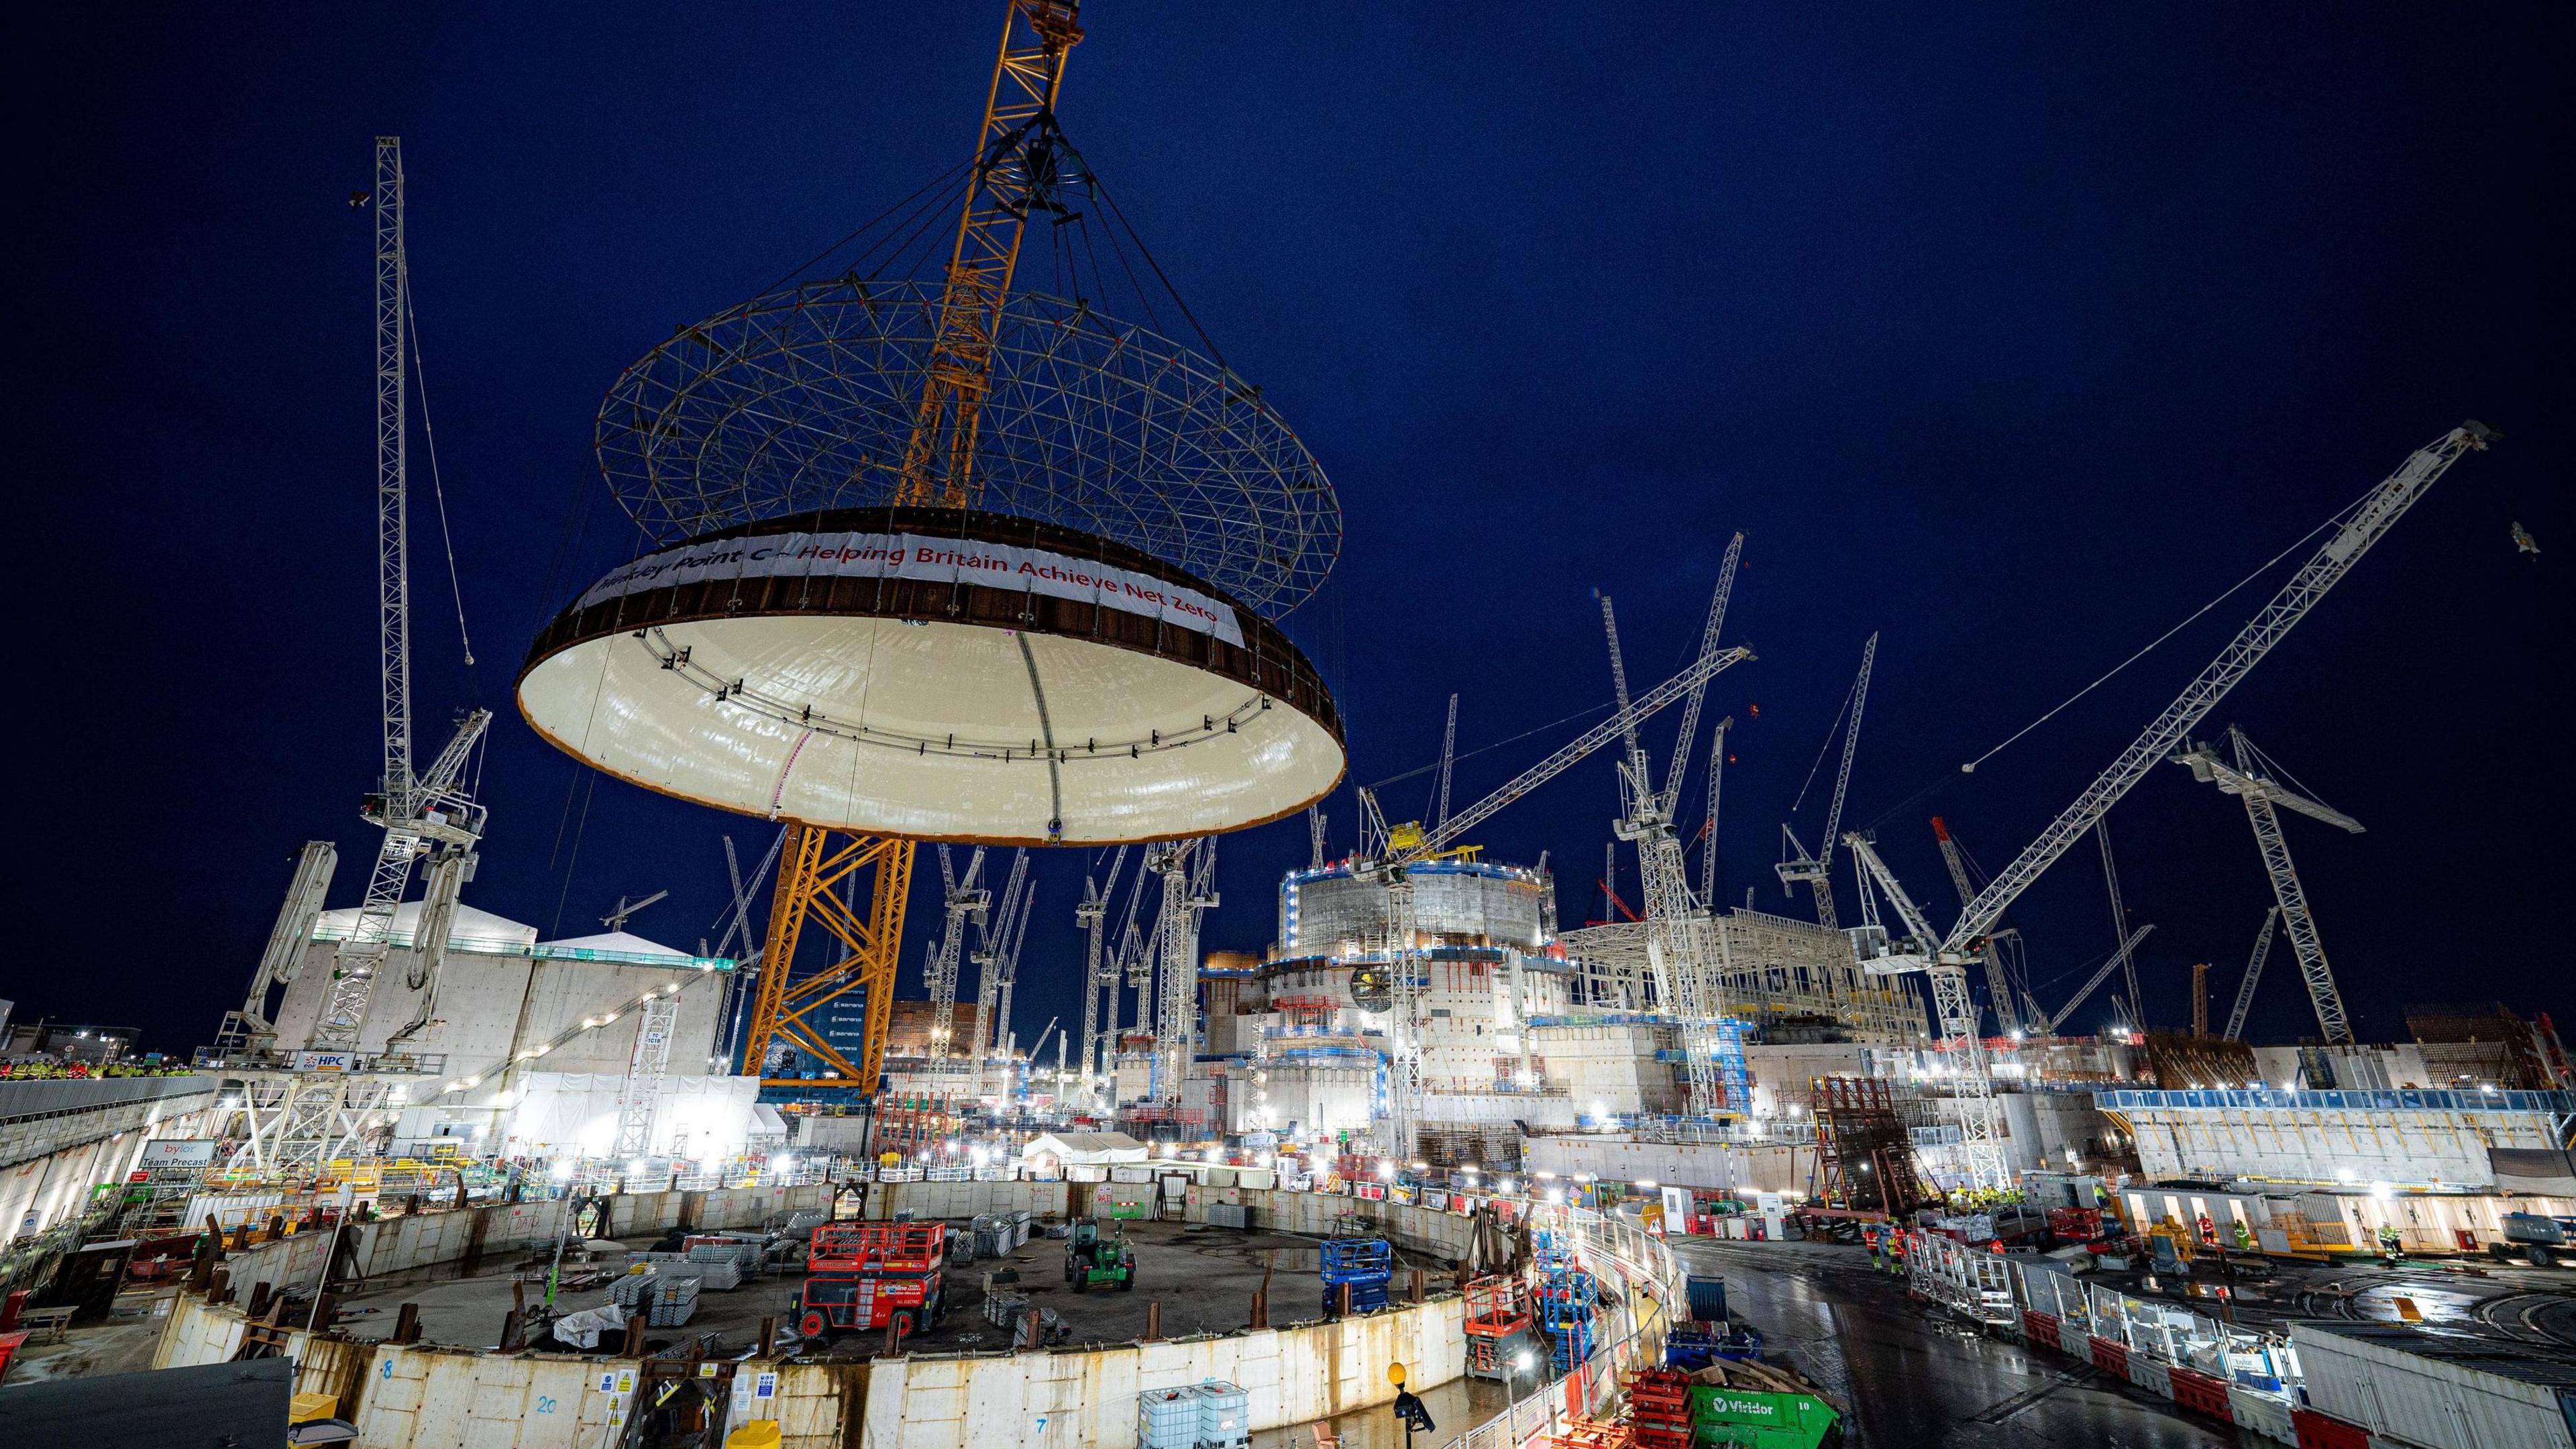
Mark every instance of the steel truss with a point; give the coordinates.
(813, 863)
(1015, 166)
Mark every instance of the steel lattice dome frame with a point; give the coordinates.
(801, 400)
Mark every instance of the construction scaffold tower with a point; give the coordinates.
(1864, 1154)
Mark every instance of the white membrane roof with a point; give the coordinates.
(931, 730)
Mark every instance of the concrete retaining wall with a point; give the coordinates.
(424, 1397)
(1088, 1400)
(398, 1245)
(954, 1200)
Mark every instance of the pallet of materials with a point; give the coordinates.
(674, 1303)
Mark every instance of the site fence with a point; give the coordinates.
(1650, 1291)
(2252, 1380)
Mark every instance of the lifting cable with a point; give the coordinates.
(2265, 567)
(456, 585)
(1496, 745)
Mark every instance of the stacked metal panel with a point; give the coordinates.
(674, 1303)
(633, 1290)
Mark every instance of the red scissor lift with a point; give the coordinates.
(873, 1275)
(1498, 1326)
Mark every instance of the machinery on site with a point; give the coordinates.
(1944, 958)
(1355, 1273)
(1091, 1261)
(873, 1275)
(1502, 1337)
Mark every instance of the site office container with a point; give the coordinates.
(2436, 1390)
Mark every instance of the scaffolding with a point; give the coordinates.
(1774, 973)
(1864, 1153)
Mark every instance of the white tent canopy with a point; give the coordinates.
(471, 927)
(1083, 1149)
(623, 942)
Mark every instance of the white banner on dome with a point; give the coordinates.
(931, 560)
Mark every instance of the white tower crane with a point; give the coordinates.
(1092, 918)
(1188, 870)
(1981, 1138)
(1136, 954)
(249, 1029)
(2249, 781)
(2046, 1024)
(2119, 920)
(992, 943)
(1817, 870)
(1448, 758)
(1999, 991)
(961, 898)
(422, 813)
(2253, 973)
(1678, 942)
(1385, 855)
(1003, 1036)
(2360, 526)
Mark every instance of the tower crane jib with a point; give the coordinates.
(2362, 527)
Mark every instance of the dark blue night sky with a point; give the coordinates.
(2014, 333)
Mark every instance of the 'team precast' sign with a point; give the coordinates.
(933, 560)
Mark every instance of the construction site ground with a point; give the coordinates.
(1909, 1376)
(1204, 1278)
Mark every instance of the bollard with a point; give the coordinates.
(512, 1334)
(1343, 1308)
(407, 1323)
(768, 1338)
(219, 1284)
(634, 1345)
(1416, 1285)
(894, 1340)
(1260, 1309)
(1154, 1321)
(257, 1308)
(1037, 1330)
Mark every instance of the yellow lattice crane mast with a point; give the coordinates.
(819, 869)
(1014, 173)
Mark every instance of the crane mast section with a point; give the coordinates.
(2299, 922)
(2253, 973)
(1013, 166)
(2368, 522)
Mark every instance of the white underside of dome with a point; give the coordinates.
(927, 730)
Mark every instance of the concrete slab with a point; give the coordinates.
(1204, 1278)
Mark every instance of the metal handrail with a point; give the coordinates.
(1650, 1287)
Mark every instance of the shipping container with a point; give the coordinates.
(2439, 1390)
